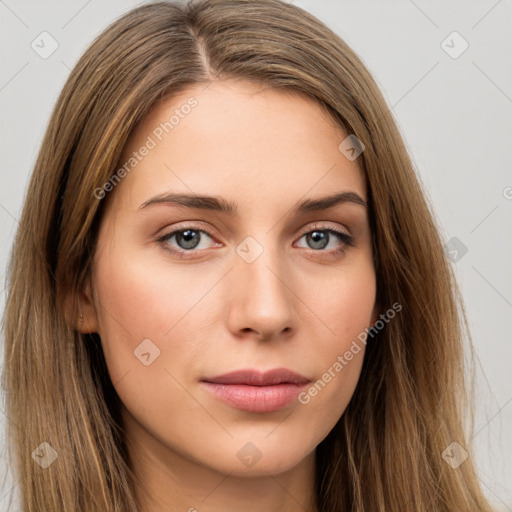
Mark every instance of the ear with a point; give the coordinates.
(377, 310)
(85, 319)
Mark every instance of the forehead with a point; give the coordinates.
(238, 140)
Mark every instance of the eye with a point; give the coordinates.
(187, 240)
(321, 237)
(190, 239)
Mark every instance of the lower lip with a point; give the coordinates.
(256, 398)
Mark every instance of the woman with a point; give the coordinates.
(237, 294)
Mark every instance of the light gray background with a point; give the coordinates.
(455, 115)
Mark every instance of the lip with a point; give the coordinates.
(255, 391)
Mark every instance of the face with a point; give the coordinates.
(185, 291)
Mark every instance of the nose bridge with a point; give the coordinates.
(262, 267)
(262, 298)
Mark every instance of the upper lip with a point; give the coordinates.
(257, 378)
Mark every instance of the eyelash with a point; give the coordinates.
(345, 239)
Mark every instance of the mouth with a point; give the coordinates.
(254, 391)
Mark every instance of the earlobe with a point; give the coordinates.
(375, 314)
(80, 311)
(87, 322)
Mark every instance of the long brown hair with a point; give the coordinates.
(385, 453)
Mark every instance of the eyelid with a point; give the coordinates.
(325, 226)
(202, 226)
(191, 224)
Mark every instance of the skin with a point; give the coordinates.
(211, 312)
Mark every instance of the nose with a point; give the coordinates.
(261, 299)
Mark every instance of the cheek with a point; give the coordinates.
(138, 301)
(145, 312)
(343, 309)
(341, 304)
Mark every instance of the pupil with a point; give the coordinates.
(319, 236)
(187, 236)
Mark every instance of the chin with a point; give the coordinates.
(260, 457)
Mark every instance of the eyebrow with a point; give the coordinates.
(221, 205)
